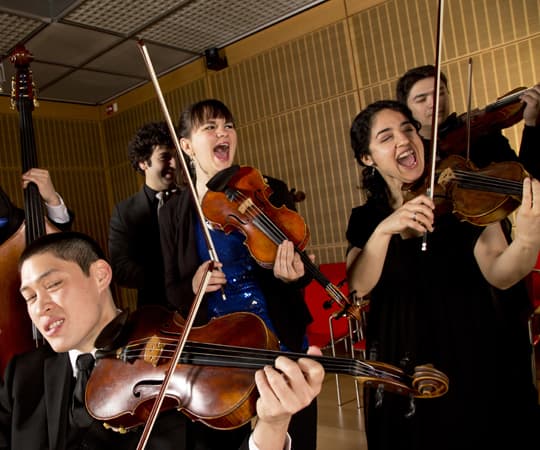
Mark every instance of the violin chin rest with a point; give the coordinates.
(109, 337)
(220, 181)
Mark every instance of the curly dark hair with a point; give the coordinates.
(141, 146)
(409, 79)
(372, 181)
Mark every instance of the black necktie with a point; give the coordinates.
(160, 201)
(79, 415)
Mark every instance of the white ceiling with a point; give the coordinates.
(85, 51)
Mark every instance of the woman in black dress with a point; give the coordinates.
(434, 305)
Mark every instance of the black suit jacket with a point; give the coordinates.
(135, 249)
(34, 402)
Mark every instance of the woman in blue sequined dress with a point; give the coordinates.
(208, 139)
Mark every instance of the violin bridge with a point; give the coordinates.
(245, 205)
(153, 350)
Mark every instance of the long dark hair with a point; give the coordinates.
(372, 182)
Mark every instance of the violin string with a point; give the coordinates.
(277, 236)
(221, 350)
(262, 220)
(510, 98)
(244, 357)
(489, 183)
(273, 232)
(497, 180)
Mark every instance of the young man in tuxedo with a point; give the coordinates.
(65, 281)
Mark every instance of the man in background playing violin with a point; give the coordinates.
(65, 281)
(415, 89)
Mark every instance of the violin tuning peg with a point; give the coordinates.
(412, 408)
(379, 394)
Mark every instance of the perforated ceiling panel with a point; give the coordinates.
(14, 28)
(202, 24)
(85, 50)
(124, 17)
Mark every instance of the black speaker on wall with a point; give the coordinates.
(215, 60)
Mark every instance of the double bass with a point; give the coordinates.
(17, 333)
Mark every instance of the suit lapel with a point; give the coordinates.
(58, 380)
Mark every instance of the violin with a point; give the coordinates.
(482, 196)
(238, 198)
(479, 196)
(214, 382)
(503, 113)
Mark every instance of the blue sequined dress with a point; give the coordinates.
(242, 291)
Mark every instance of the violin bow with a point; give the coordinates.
(211, 249)
(435, 114)
(200, 214)
(468, 116)
(175, 360)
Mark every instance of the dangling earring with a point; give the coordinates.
(372, 173)
(192, 163)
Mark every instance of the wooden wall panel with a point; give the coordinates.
(294, 103)
(72, 152)
(500, 36)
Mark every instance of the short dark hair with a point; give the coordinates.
(141, 146)
(411, 77)
(199, 112)
(68, 245)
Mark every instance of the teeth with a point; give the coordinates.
(55, 324)
(405, 154)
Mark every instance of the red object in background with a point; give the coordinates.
(321, 306)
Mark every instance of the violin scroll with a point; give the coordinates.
(429, 382)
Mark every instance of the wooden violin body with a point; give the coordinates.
(244, 205)
(481, 196)
(214, 382)
(122, 388)
(238, 198)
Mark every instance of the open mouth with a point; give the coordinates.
(221, 151)
(407, 159)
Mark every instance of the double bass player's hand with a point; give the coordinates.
(42, 179)
(284, 390)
